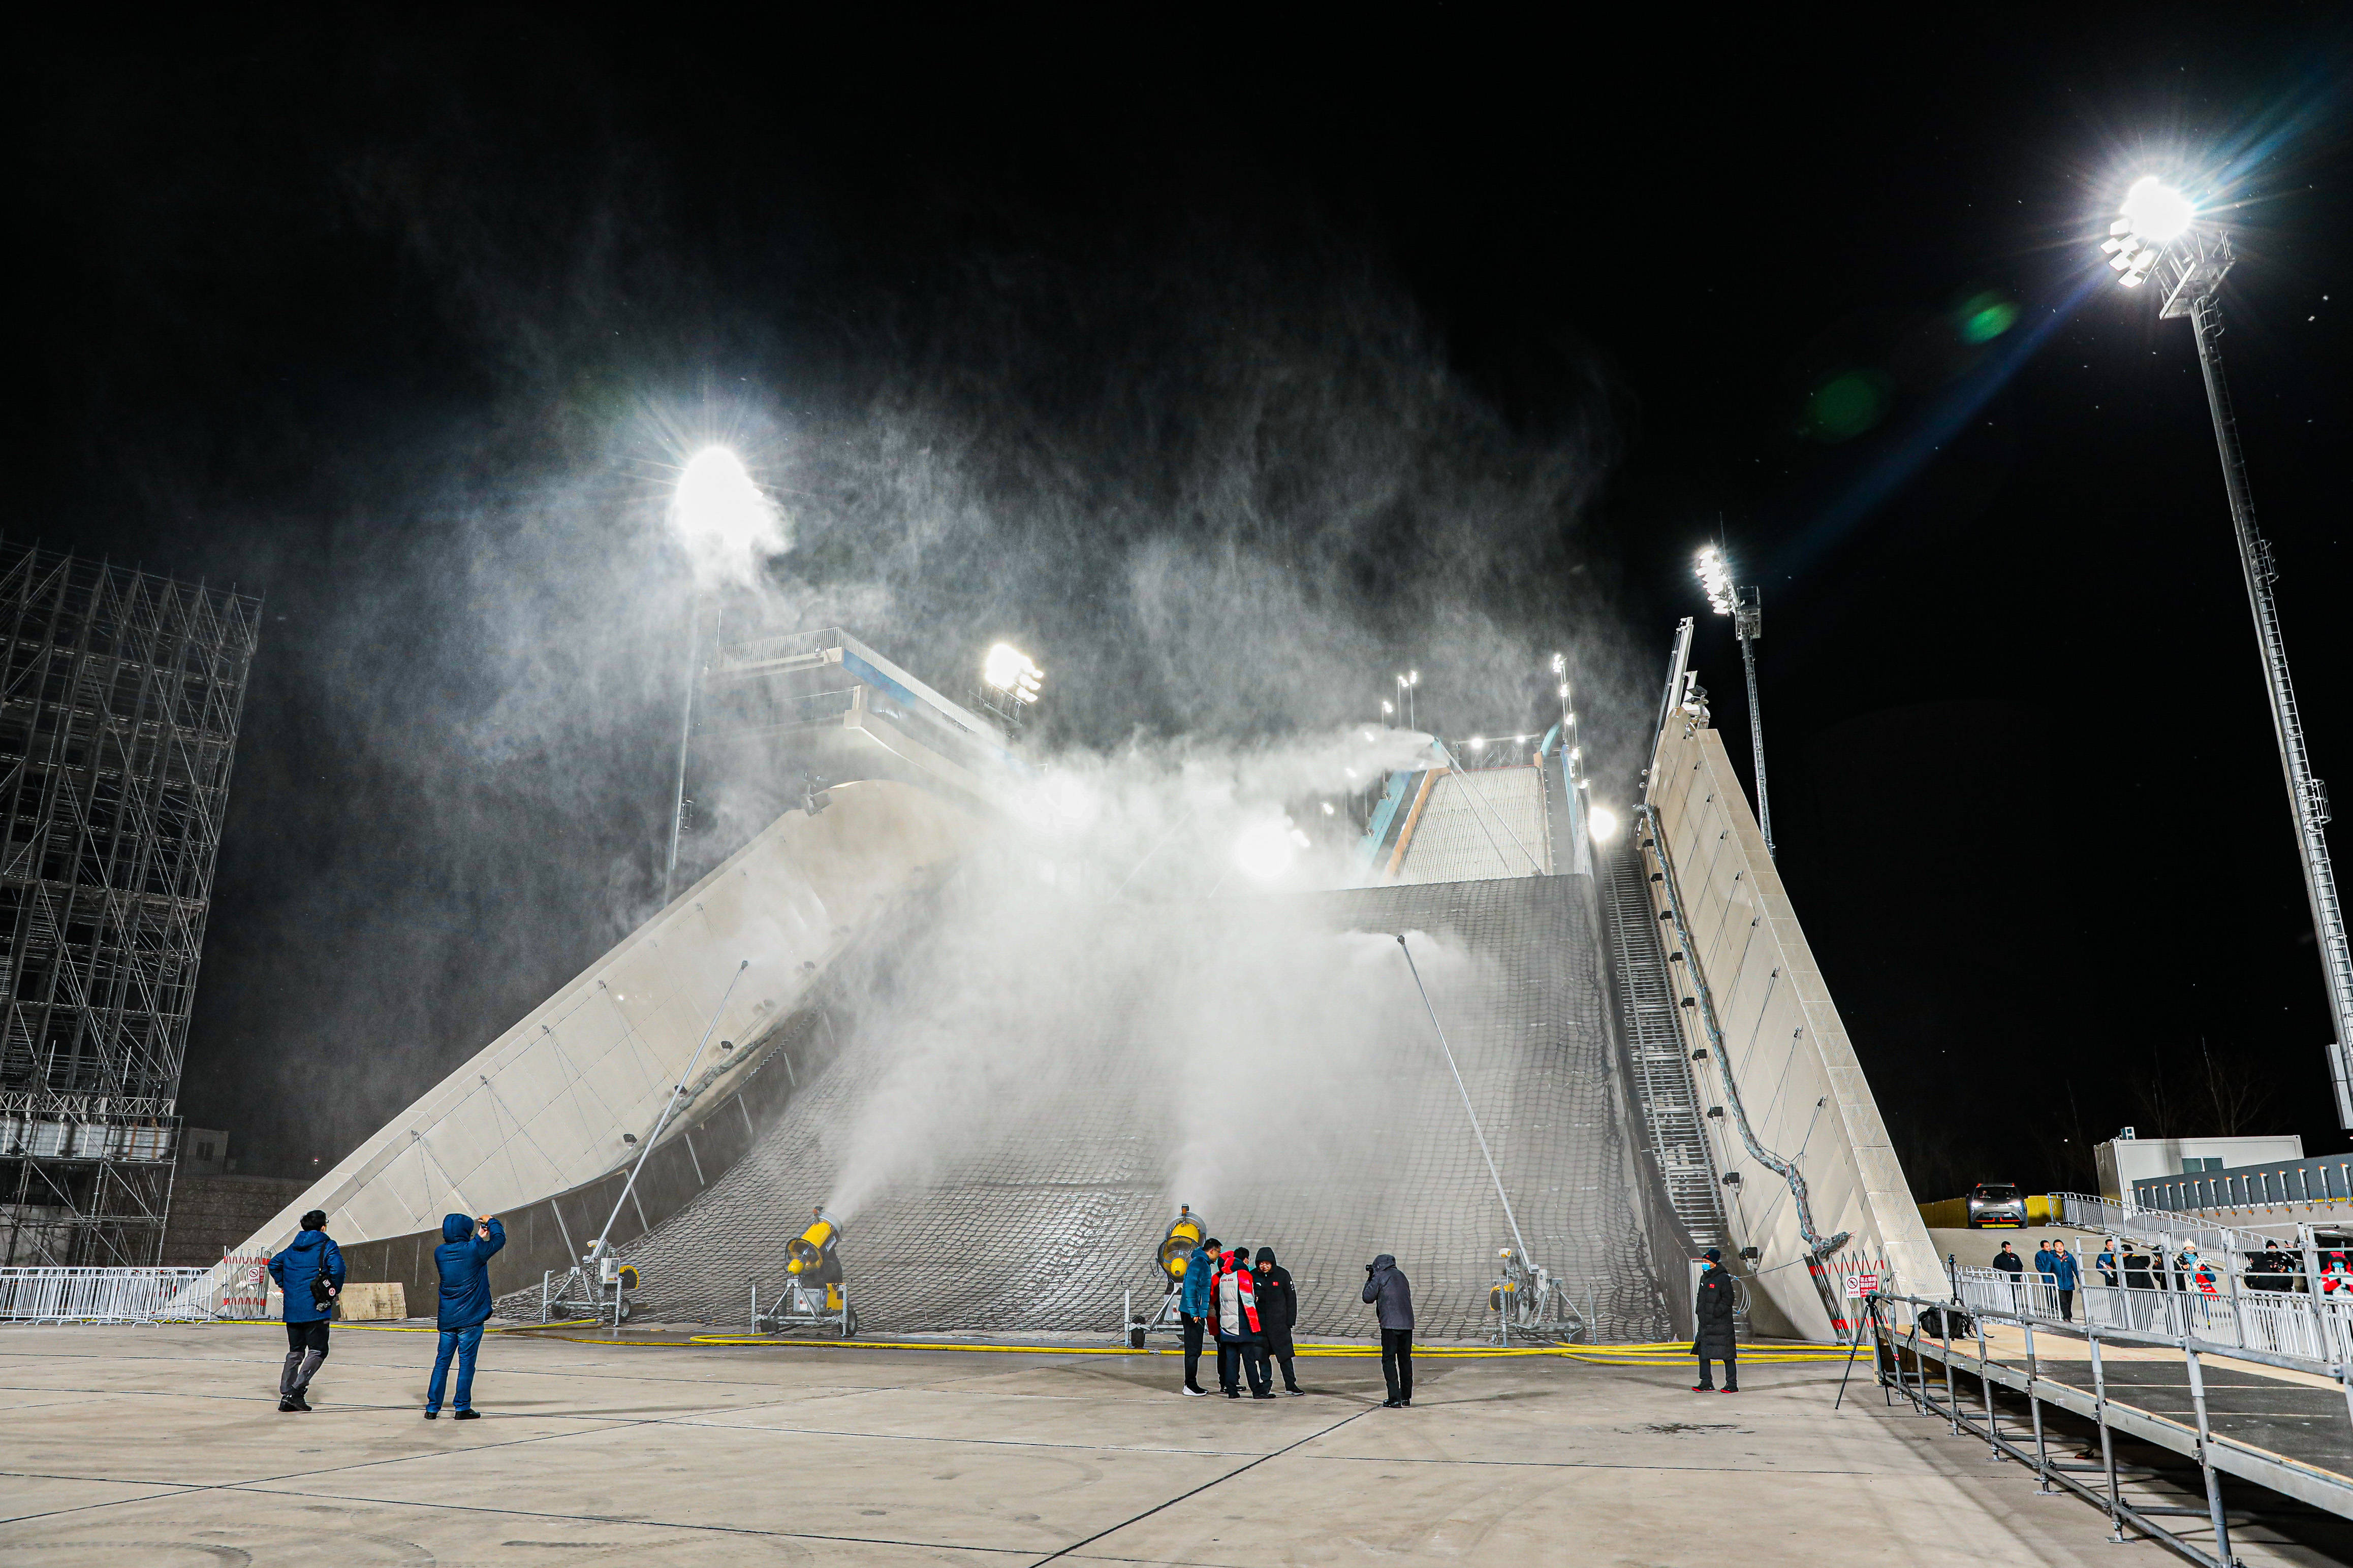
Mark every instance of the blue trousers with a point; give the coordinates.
(461, 1344)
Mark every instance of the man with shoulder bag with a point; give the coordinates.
(309, 1272)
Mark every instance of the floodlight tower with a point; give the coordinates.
(1747, 608)
(2160, 237)
(718, 513)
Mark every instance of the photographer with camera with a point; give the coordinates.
(1385, 1287)
(465, 1264)
(309, 1272)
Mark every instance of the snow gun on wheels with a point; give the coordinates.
(1530, 1304)
(1184, 1234)
(813, 1296)
(597, 1286)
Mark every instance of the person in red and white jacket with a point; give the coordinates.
(1241, 1336)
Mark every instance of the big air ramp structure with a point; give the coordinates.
(1005, 1139)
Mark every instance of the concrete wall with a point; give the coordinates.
(542, 1110)
(1789, 1057)
(211, 1214)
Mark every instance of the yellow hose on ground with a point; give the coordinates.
(1657, 1353)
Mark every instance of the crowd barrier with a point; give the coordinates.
(57, 1295)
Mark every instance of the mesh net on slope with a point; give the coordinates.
(1034, 1158)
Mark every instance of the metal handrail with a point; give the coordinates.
(2090, 1211)
(2199, 1441)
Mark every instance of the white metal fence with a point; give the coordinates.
(2208, 1306)
(2088, 1212)
(238, 1290)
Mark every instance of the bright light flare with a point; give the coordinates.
(1603, 824)
(2155, 214)
(724, 518)
(1011, 671)
(2157, 211)
(1716, 578)
(1266, 849)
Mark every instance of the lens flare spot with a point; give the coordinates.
(1984, 316)
(1845, 406)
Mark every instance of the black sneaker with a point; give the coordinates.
(468, 1415)
(299, 1403)
(1392, 1403)
(433, 1415)
(1294, 1392)
(1261, 1397)
(1233, 1394)
(287, 1407)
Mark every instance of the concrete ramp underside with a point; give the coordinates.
(1048, 1214)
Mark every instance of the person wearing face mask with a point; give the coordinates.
(1242, 1334)
(1278, 1309)
(1716, 1310)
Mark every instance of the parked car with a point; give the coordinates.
(1996, 1203)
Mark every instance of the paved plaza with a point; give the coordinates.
(163, 1446)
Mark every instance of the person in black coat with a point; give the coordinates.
(1385, 1287)
(1278, 1310)
(1718, 1299)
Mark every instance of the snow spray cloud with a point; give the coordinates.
(1055, 962)
(1220, 478)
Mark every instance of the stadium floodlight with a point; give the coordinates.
(1013, 672)
(1603, 824)
(1745, 606)
(2162, 236)
(721, 514)
(1716, 578)
(723, 519)
(1559, 664)
(1405, 684)
(1266, 849)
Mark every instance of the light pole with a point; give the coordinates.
(2159, 238)
(1406, 683)
(1747, 608)
(723, 518)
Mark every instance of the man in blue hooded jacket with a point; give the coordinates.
(1193, 1307)
(464, 1261)
(309, 1270)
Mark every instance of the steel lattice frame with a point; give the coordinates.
(119, 699)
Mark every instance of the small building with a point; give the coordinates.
(2125, 1159)
(204, 1151)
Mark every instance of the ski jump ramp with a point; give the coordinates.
(1004, 1087)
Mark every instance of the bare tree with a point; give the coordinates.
(2156, 1105)
(2241, 1101)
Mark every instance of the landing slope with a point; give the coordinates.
(1128, 1086)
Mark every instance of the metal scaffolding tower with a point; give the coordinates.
(120, 697)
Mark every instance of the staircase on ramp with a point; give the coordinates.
(1662, 1063)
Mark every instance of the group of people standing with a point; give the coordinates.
(2054, 1266)
(1249, 1306)
(309, 1271)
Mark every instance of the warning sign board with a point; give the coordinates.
(1861, 1285)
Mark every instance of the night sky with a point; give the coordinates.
(1231, 371)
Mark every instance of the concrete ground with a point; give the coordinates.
(163, 1446)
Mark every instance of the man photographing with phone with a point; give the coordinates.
(464, 1261)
